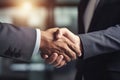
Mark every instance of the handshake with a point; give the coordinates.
(59, 46)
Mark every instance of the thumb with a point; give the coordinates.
(68, 34)
(58, 34)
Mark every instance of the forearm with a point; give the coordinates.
(17, 42)
(101, 42)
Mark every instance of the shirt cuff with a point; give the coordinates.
(37, 43)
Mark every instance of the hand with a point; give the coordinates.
(56, 60)
(63, 32)
(63, 46)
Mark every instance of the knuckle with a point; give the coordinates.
(64, 45)
(73, 56)
(67, 59)
(56, 28)
(57, 61)
(65, 28)
(51, 61)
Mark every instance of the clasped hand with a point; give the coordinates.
(59, 46)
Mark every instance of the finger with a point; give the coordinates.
(61, 64)
(75, 48)
(67, 51)
(72, 37)
(52, 58)
(66, 57)
(44, 55)
(59, 34)
(68, 34)
(58, 60)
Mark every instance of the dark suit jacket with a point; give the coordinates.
(101, 46)
(16, 42)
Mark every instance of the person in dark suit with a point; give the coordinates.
(100, 45)
(20, 43)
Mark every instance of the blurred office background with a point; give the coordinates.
(41, 14)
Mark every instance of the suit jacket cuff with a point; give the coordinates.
(37, 43)
(86, 46)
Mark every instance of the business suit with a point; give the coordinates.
(16, 42)
(101, 49)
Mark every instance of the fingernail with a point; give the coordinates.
(80, 54)
(46, 56)
(61, 56)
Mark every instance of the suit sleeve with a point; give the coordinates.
(16, 42)
(101, 42)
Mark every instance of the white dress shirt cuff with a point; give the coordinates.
(37, 43)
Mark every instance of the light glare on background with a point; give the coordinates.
(26, 6)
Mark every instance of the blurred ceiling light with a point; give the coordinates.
(24, 9)
(26, 6)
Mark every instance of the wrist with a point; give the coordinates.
(42, 39)
(81, 46)
(46, 36)
(79, 43)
